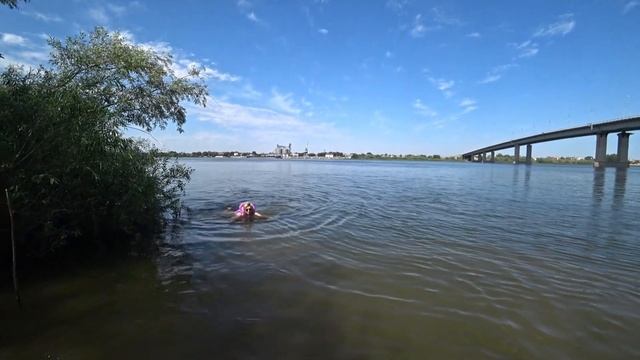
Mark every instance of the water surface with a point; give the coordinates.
(363, 260)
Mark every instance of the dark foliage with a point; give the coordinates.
(75, 181)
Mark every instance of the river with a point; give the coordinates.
(362, 260)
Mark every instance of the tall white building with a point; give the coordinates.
(282, 150)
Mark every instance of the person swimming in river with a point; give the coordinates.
(247, 212)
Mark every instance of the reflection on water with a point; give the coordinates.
(358, 260)
(598, 184)
(620, 187)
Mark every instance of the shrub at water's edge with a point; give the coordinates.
(75, 181)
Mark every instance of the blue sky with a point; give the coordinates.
(396, 76)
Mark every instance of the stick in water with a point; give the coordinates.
(13, 250)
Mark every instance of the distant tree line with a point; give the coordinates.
(371, 156)
(503, 158)
(174, 154)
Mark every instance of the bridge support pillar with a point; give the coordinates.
(601, 150)
(623, 149)
(493, 157)
(484, 157)
(529, 150)
(516, 154)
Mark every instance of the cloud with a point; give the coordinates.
(102, 14)
(496, 73)
(466, 102)
(182, 64)
(563, 26)
(262, 126)
(245, 7)
(491, 78)
(418, 29)
(468, 105)
(13, 39)
(99, 15)
(43, 17)
(234, 126)
(118, 10)
(443, 85)
(474, 35)
(37, 56)
(423, 109)
(630, 6)
(283, 102)
(232, 115)
(28, 52)
(323, 31)
(442, 18)
(244, 4)
(527, 49)
(252, 16)
(388, 54)
(248, 92)
(9, 60)
(397, 5)
(156, 46)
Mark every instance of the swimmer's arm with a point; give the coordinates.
(260, 216)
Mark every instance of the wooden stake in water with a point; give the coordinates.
(13, 249)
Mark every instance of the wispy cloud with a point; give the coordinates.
(323, 31)
(475, 35)
(104, 13)
(99, 15)
(42, 17)
(563, 26)
(118, 10)
(248, 92)
(527, 49)
(423, 109)
(468, 105)
(246, 7)
(284, 102)
(34, 56)
(244, 4)
(443, 18)
(496, 73)
(444, 85)
(630, 6)
(182, 64)
(261, 124)
(388, 54)
(24, 51)
(13, 39)
(418, 29)
(397, 5)
(253, 17)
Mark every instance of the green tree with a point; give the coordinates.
(75, 181)
(12, 4)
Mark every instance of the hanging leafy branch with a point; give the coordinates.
(75, 180)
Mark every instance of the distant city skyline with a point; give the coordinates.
(389, 76)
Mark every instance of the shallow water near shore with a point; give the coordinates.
(362, 260)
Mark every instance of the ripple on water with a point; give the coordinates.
(506, 261)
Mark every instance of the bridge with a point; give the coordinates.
(599, 130)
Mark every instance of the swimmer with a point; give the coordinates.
(247, 212)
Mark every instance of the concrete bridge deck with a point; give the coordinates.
(600, 130)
